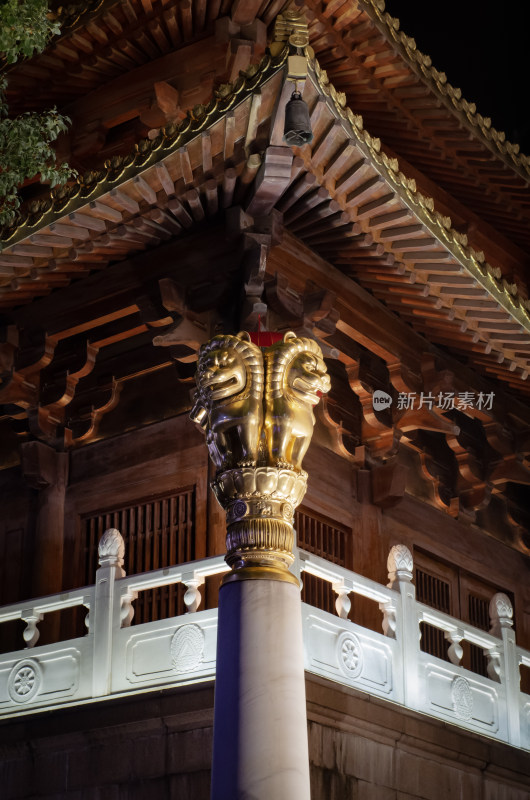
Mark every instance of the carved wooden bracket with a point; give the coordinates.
(311, 311)
(257, 235)
(165, 106)
(389, 482)
(83, 419)
(42, 466)
(8, 347)
(244, 35)
(20, 386)
(190, 329)
(273, 178)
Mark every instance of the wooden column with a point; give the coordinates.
(47, 471)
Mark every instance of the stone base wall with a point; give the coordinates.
(364, 748)
(154, 746)
(157, 746)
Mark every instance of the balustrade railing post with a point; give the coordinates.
(402, 621)
(501, 620)
(455, 650)
(192, 597)
(31, 632)
(106, 614)
(342, 602)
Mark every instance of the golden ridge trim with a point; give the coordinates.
(119, 169)
(440, 85)
(473, 261)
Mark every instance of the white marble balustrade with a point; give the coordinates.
(116, 658)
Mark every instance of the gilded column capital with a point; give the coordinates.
(255, 406)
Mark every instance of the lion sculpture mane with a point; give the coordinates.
(296, 379)
(229, 399)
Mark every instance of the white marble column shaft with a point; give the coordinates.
(260, 727)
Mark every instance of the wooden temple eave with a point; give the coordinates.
(89, 51)
(417, 113)
(345, 198)
(234, 41)
(369, 219)
(100, 41)
(365, 263)
(133, 202)
(112, 39)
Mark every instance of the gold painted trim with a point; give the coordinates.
(260, 574)
(118, 170)
(422, 65)
(423, 207)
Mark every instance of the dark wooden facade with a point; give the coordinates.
(399, 238)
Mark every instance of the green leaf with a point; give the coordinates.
(24, 27)
(25, 141)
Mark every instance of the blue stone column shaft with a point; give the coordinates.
(260, 728)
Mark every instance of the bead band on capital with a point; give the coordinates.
(259, 507)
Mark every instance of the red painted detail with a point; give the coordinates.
(265, 338)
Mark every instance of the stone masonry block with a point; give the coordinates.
(427, 778)
(329, 785)
(438, 734)
(471, 784)
(367, 791)
(498, 791)
(80, 773)
(16, 773)
(367, 760)
(404, 796)
(322, 745)
(50, 771)
(149, 756)
(146, 789)
(190, 750)
(107, 760)
(110, 792)
(195, 785)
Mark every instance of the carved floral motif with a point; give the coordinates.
(501, 606)
(400, 563)
(350, 654)
(24, 681)
(462, 698)
(501, 613)
(111, 548)
(187, 648)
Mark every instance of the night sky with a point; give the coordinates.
(483, 49)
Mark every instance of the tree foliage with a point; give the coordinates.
(25, 27)
(25, 141)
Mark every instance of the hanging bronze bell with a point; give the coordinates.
(297, 130)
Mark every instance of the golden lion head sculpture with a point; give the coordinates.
(296, 380)
(229, 399)
(258, 411)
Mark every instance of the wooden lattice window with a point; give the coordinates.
(326, 539)
(434, 591)
(460, 594)
(158, 532)
(478, 614)
(475, 596)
